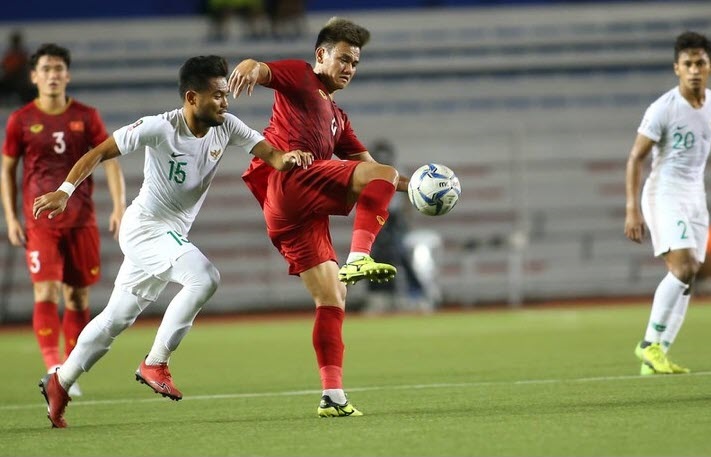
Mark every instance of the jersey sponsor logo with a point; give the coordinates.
(680, 127)
(76, 126)
(175, 154)
(323, 94)
(216, 154)
(135, 124)
(36, 128)
(94, 271)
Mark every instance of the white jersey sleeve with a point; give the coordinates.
(240, 134)
(144, 132)
(654, 121)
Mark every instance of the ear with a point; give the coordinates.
(191, 97)
(676, 68)
(319, 54)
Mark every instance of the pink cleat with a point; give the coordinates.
(158, 378)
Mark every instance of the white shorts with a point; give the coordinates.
(150, 247)
(677, 222)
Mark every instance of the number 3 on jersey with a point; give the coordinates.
(59, 145)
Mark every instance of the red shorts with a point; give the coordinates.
(69, 255)
(297, 208)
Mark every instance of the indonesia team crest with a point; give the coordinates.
(215, 153)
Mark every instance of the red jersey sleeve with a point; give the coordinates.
(287, 76)
(12, 146)
(348, 143)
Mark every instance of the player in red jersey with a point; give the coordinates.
(297, 205)
(49, 135)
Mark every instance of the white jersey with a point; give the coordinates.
(682, 135)
(179, 167)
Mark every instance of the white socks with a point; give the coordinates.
(353, 256)
(200, 280)
(668, 293)
(675, 320)
(336, 395)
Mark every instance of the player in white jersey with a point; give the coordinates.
(677, 129)
(182, 151)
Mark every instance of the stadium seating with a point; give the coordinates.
(535, 116)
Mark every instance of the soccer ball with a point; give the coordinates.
(434, 189)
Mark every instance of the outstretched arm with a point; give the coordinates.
(634, 222)
(55, 202)
(246, 75)
(280, 160)
(117, 189)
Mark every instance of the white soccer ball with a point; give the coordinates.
(434, 189)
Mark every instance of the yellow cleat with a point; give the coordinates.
(654, 358)
(329, 408)
(366, 267)
(677, 369)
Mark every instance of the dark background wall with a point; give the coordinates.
(48, 10)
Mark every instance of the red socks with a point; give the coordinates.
(72, 324)
(45, 322)
(328, 343)
(371, 213)
(47, 327)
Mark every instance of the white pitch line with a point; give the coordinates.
(294, 393)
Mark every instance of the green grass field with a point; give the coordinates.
(555, 381)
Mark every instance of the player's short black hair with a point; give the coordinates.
(196, 72)
(691, 40)
(338, 29)
(51, 49)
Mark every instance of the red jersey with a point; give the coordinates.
(49, 145)
(303, 117)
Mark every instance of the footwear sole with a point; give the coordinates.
(140, 379)
(324, 414)
(375, 276)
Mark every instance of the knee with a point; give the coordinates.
(388, 173)
(208, 278)
(686, 271)
(213, 278)
(114, 325)
(333, 296)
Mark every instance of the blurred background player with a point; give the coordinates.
(260, 18)
(676, 128)
(250, 12)
(183, 149)
(50, 134)
(393, 246)
(15, 84)
(297, 206)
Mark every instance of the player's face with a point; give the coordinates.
(211, 104)
(51, 76)
(337, 65)
(692, 68)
